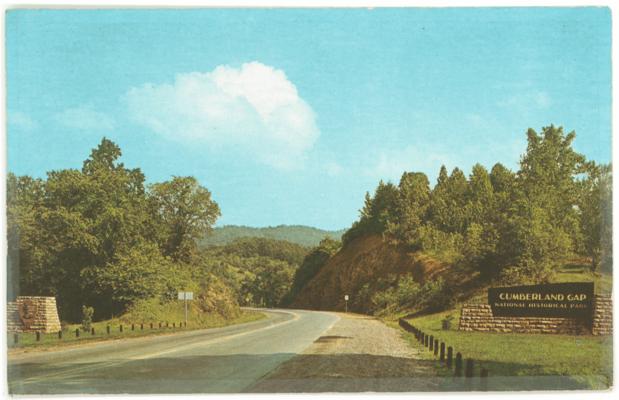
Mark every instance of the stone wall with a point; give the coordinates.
(603, 316)
(478, 317)
(33, 313)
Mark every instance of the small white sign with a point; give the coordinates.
(346, 297)
(185, 295)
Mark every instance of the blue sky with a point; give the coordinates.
(290, 116)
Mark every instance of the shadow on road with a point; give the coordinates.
(239, 373)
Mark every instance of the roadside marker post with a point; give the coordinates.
(345, 303)
(185, 296)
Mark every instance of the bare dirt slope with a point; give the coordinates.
(358, 354)
(362, 261)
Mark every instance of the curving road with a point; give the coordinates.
(220, 360)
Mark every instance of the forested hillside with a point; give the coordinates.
(495, 226)
(303, 235)
(99, 236)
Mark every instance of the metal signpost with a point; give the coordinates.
(346, 303)
(185, 296)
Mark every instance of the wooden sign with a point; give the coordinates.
(568, 300)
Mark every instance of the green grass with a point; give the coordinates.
(50, 340)
(587, 359)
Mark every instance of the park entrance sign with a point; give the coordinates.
(566, 300)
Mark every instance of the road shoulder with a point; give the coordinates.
(358, 353)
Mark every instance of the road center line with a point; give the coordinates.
(68, 373)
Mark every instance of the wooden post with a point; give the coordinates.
(159, 325)
(92, 331)
(151, 325)
(60, 334)
(173, 324)
(468, 369)
(142, 326)
(166, 324)
(132, 327)
(431, 342)
(15, 338)
(121, 327)
(450, 355)
(107, 328)
(77, 332)
(38, 335)
(435, 347)
(483, 380)
(442, 353)
(458, 364)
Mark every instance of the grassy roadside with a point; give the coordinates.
(27, 341)
(583, 362)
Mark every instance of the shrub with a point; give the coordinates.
(87, 314)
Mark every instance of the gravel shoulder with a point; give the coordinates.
(357, 354)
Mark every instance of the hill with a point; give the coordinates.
(368, 265)
(299, 234)
(387, 279)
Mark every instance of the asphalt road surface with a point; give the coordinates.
(221, 360)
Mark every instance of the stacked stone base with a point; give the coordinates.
(478, 317)
(43, 317)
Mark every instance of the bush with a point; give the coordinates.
(87, 314)
(408, 294)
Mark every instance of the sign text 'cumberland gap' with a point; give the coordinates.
(569, 300)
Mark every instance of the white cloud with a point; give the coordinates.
(534, 99)
(391, 164)
(254, 108)
(333, 168)
(21, 120)
(85, 118)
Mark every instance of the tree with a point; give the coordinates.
(185, 211)
(595, 206)
(412, 207)
(447, 210)
(544, 218)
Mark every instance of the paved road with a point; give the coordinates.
(220, 360)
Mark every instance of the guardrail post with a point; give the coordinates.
(483, 379)
(458, 371)
(468, 369)
(435, 347)
(431, 342)
(442, 353)
(450, 355)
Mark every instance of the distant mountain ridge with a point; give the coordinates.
(300, 234)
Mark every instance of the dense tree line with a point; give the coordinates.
(517, 226)
(100, 236)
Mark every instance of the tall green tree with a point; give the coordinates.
(595, 206)
(185, 212)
